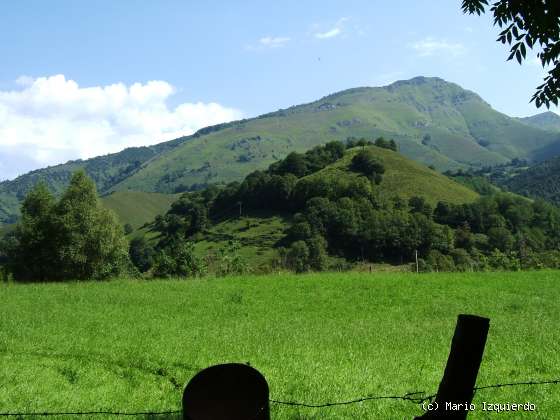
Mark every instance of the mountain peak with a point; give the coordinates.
(420, 80)
(545, 120)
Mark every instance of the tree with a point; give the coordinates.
(500, 238)
(294, 163)
(75, 238)
(30, 252)
(527, 24)
(420, 205)
(336, 149)
(90, 241)
(368, 164)
(318, 257)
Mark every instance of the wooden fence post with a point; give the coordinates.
(227, 392)
(456, 389)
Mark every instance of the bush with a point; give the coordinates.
(128, 229)
(141, 254)
(436, 261)
(178, 260)
(297, 257)
(230, 262)
(499, 260)
(462, 260)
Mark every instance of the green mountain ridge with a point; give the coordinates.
(546, 120)
(434, 122)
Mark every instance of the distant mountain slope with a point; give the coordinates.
(435, 122)
(546, 120)
(538, 181)
(106, 171)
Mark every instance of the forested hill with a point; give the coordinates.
(434, 122)
(350, 184)
(538, 181)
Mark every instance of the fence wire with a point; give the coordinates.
(418, 397)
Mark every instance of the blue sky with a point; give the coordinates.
(79, 79)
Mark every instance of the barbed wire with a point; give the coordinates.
(90, 413)
(528, 383)
(417, 397)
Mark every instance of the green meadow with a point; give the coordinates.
(129, 345)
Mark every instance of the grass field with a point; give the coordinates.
(257, 234)
(137, 207)
(132, 345)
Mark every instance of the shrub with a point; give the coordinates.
(141, 254)
(230, 262)
(178, 259)
(297, 257)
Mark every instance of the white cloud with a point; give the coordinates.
(52, 119)
(431, 46)
(334, 31)
(268, 42)
(329, 34)
(274, 42)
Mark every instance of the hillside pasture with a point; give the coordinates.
(131, 346)
(137, 207)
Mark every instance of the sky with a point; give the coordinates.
(82, 79)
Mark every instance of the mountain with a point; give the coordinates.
(106, 171)
(434, 122)
(546, 121)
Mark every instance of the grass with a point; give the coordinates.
(137, 207)
(257, 234)
(132, 345)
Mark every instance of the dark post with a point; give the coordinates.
(455, 391)
(226, 392)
